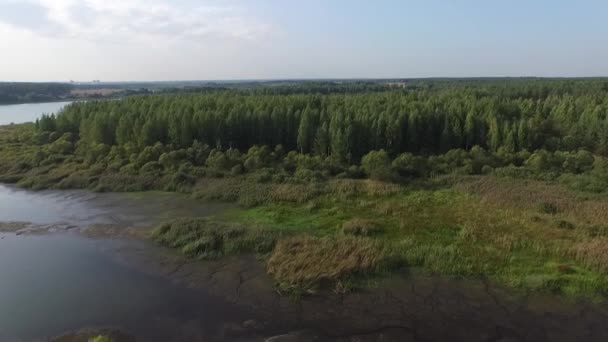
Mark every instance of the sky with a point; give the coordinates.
(154, 40)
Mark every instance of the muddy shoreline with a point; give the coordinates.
(396, 309)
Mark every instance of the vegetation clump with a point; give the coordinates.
(100, 338)
(208, 239)
(305, 264)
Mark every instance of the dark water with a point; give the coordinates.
(54, 283)
(28, 112)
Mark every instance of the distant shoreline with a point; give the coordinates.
(38, 102)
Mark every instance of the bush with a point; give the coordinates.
(377, 165)
(307, 175)
(217, 160)
(237, 170)
(408, 165)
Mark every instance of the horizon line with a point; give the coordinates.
(305, 79)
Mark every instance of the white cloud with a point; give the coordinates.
(141, 20)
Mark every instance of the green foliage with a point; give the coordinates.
(516, 116)
(208, 239)
(100, 338)
(33, 92)
(377, 165)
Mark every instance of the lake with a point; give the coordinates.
(28, 112)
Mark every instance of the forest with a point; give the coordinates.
(567, 117)
(504, 179)
(33, 92)
(555, 125)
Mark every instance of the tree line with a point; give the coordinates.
(33, 92)
(424, 118)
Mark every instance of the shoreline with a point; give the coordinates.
(274, 219)
(406, 308)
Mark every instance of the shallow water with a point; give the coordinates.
(54, 283)
(28, 112)
(51, 283)
(82, 208)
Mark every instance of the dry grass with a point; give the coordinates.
(296, 193)
(538, 196)
(308, 263)
(349, 188)
(249, 193)
(593, 253)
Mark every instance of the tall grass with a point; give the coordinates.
(304, 264)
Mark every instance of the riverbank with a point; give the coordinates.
(399, 308)
(406, 306)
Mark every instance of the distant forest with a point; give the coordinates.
(14, 93)
(422, 117)
(33, 92)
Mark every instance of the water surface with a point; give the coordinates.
(53, 283)
(82, 208)
(28, 112)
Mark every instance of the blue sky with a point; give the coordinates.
(123, 40)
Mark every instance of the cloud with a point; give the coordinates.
(129, 21)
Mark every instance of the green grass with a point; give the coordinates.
(454, 233)
(100, 338)
(209, 239)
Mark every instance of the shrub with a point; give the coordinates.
(217, 160)
(237, 170)
(307, 175)
(377, 165)
(408, 165)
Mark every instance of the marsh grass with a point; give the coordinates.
(480, 228)
(305, 264)
(208, 239)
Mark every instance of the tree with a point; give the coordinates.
(306, 131)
